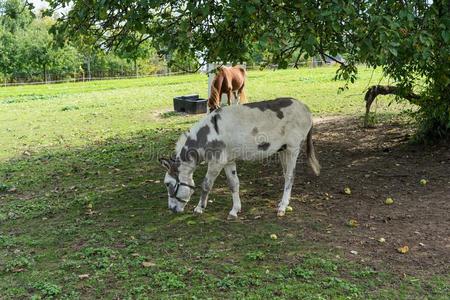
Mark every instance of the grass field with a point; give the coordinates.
(60, 116)
(83, 213)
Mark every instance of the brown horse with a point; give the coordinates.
(227, 80)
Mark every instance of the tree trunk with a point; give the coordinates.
(376, 90)
(88, 66)
(136, 68)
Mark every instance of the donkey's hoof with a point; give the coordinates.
(281, 213)
(232, 217)
(198, 210)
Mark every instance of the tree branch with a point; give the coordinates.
(323, 55)
(332, 58)
(297, 59)
(376, 90)
(186, 70)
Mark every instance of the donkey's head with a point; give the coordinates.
(179, 192)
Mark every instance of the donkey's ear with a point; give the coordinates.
(165, 163)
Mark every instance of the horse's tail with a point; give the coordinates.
(214, 98)
(243, 71)
(311, 154)
(242, 96)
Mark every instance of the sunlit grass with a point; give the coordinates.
(83, 212)
(57, 116)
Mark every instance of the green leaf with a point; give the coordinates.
(445, 36)
(103, 13)
(393, 51)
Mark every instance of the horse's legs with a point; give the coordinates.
(233, 183)
(290, 158)
(236, 97)
(207, 184)
(229, 96)
(241, 93)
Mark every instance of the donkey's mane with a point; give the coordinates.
(180, 143)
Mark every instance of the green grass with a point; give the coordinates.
(86, 199)
(58, 116)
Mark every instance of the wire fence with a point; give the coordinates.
(83, 78)
(87, 79)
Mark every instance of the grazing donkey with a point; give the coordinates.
(240, 132)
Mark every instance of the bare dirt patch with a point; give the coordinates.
(375, 164)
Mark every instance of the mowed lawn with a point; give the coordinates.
(83, 211)
(33, 118)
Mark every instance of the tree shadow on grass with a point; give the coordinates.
(117, 185)
(61, 177)
(102, 210)
(375, 164)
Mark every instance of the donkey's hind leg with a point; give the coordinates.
(233, 183)
(282, 155)
(289, 160)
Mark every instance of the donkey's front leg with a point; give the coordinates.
(233, 183)
(290, 160)
(207, 184)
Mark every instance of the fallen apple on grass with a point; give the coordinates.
(389, 201)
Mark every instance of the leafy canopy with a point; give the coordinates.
(29, 52)
(409, 39)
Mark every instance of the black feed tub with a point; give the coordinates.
(190, 104)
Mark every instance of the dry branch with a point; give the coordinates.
(376, 90)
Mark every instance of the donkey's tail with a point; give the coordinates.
(311, 154)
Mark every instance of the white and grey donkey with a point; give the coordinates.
(252, 131)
